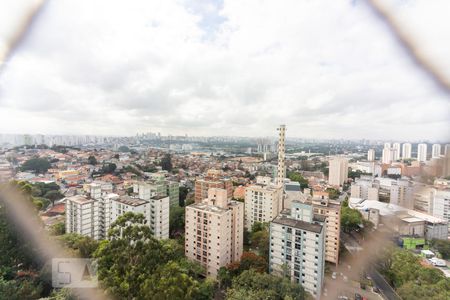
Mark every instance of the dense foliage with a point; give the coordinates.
(412, 280)
(166, 162)
(442, 246)
(333, 193)
(92, 160)
(21, 275)
(351, 219)
(252, 285)
(294, 176)
(37, 165)
(134, 265)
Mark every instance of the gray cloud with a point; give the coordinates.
(224, 68)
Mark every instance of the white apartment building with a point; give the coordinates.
(446, 149)
(331, 210)
(406, 151)
(422, 152)
(371, 155)
(441, 204)
(389, 155)
(436, 151)
(82, 216)
(387, 145)
(155, 211)
(423, 198)
(402, 193)
(263, 202)
(338, 171)
(396, 147)
(103, 209)
(297, 247)
(214, 231)
(364, 188)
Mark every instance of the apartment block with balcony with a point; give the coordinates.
(263, 202)
(213, 179)
(82, 216)
(331, 210)
(214, 231)
(297, 247)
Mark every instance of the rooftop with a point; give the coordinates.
(283, 220)
(131, 201)
(79, 199)
(208, 208)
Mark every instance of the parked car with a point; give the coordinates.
(358, 296)
(376, 290)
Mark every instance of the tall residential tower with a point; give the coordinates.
(281, 174)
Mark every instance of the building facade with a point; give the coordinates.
(297, 247)
(331, 210)
(281, 170)
(92, 215)
(436, 151)
(214, 231)
(406, 151)
(263, 202)
(371, 155)
(422, 152)
(82, 216)
(213, 179)
(338, 171)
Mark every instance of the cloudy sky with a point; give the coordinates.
(327, 69)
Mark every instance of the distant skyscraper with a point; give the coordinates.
(406, 151)
(387, 145)
(422, 152)
(387, 155)
(447, 149)
(436, 151)
(396, 147)
(281, 174)
(371, 155)
(338, 171)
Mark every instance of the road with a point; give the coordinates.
(386, 290)
(352, 245)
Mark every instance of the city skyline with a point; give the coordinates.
(322, 71)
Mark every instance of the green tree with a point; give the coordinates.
(176, 220)
(53, 196)
(183, 194)
(85, 245)
(170, 282)
(442, 246)
(350, 219)
(109, 168)
(134, 265)
(123, 149)
(249, 260)
(129, 256)
(58, 228)
(166, 162)
(403, 270)
(251, 285)
(92, 160)
(333, 193)
(38, 165)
